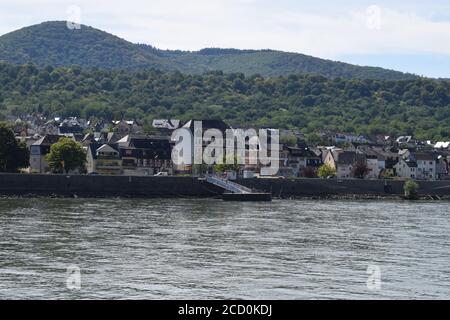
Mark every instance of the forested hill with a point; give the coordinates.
(419, 107)
(52, 43)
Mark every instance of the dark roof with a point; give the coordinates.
(155, 153)
(48, 140)
(208, 124)
(411, 163)
(301, 152)
(148, 148)
(149, 143)
(428, 156)
(349, 157)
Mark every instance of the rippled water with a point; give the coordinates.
(205, 248)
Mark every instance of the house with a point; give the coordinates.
(50, 127)
(380, 162)
(344, 162)
(406, 168)
(418, 165)
(407, 142)
(124, 127)
(442, 167)
(302, 160)
(206, 125)
(169, 124)
(97, 125)
(404, 139)
(426, 165)
(348, 138)
(70, 126)
(145, 155)
(387, 161)
(165, 127)
(382, 139)
(373, 167)
(39, 150)
(101, 138)
(103, 159)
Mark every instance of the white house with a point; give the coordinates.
(406, 168)
(418, 165)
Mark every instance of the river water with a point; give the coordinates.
(206, 248)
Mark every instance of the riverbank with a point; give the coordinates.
(178, 187)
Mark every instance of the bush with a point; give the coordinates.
(411, 189)
(326, 171)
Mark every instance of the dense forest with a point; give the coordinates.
(52, 43)
(308, 102)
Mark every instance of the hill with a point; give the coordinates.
(52, 43)
(419, 107)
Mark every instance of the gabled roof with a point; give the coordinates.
(48, 140)
(112, 137)
(88, 137)
(94, 147)
(107, 148)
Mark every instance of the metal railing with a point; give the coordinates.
(228, 185)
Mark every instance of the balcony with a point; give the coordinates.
(108, 165)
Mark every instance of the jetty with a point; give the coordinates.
(237, 192)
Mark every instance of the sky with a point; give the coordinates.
(410, 36)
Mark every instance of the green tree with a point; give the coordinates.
(316, 140)
(289, 140)
(226, 166)
(13, 154)
(66, 155)
(326, 171)
(411, 189)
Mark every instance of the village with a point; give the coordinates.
(122, 148)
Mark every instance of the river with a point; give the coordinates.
(210, 249)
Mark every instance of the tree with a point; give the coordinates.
(13, 154)
(411, 189)
(315, 139)
(360, 170)
(326, 171)
(226, 166)
(66, 155)
(289, 140)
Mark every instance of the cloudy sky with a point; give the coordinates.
(411, 35)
